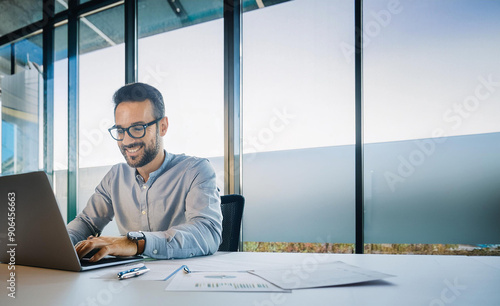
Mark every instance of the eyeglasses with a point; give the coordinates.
(135, 131)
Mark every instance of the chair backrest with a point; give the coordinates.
(232, 212)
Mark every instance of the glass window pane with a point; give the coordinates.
(159, 16)
(432, 121)
(22, 101)
(61, 117)
(28, 50)
(5, 52)
(60, 5)
(102, 58)
(102, 30)
(6, 150)
(186, 65)
(298, 123)
(17, 14)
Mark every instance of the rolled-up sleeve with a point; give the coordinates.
(95, 216)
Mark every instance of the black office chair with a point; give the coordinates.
(232, 212)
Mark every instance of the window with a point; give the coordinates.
(60, 183)
(18, 14)
(22, 101)
(432, 121)
(6, 151)
(102, 58)
(186, 64)
(431, 112)
(298, 123)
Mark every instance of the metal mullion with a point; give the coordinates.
(12, 58)
(48, 87)
(359, 210)
(73, 109)
(232, 97)
(60, 17)
(33, 28)
(24, 32)
(96, 6)
(49, 17)
(131, 36)
(232, 101)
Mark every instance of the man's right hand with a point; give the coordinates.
(118, 246)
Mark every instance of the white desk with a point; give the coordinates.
(419, 280)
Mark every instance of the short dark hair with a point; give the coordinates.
(138, 92)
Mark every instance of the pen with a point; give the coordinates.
(135, 268)
(183, 267)
(134, 272)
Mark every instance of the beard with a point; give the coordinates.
(149, 153)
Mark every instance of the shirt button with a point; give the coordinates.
(155, 252)
(143, 212)
(144, 187)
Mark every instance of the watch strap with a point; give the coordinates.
(136, 240)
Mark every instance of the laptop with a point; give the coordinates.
(32, 230)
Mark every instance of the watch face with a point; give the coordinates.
(135, 235)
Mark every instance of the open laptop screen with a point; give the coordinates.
(32, 230)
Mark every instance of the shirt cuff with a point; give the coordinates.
(156, 247)
(159, 247)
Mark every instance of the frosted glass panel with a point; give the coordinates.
(304, 195)
(421, 191)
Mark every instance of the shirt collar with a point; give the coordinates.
(155, 174)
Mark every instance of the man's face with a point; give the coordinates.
(138, 152)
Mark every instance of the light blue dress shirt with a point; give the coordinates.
(178, 208)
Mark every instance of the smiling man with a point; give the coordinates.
(165, 205)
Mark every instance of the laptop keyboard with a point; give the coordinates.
(108, 259)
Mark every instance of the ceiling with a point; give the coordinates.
(106, 28)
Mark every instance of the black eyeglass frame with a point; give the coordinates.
(144, 126)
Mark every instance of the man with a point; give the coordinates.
(166, 205)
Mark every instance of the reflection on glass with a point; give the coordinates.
(159, 16)
(17, 14)
(5, 52)
(5, 69)
(22, 99)
(60, 5)
(29, 50)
